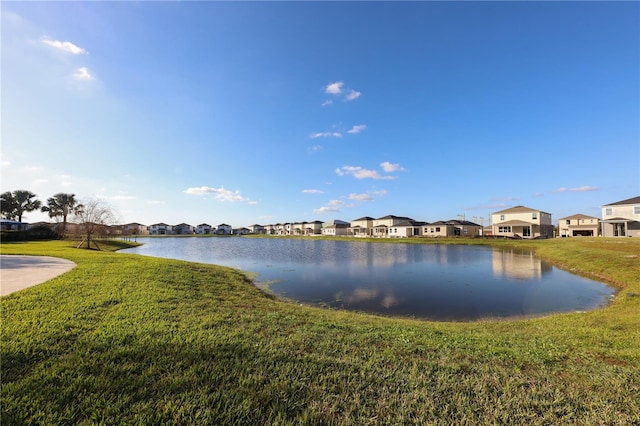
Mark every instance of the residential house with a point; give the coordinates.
(622, 218)
(381, 225)
(362, 227)
(270, 229)
(160, 229)
(313, 228)
(335, 228)
(224, 229)
(522, 222)
(13, 225)
(408, 228)
(452, 228)
(241, 231)
(298, 228)
(204, 229)
(578, 225)
(183, 229)
(135, 229)
(257, 229)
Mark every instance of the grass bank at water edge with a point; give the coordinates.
(127, 339)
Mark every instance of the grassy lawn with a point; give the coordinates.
(127, 339)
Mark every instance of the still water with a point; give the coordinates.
(438, 282)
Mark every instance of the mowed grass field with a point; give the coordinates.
(127, 339)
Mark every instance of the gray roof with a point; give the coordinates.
(634, 200)
(519, 209)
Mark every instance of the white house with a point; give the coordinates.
(257, 229)
(409, 228)
(335, 228)
(183, 229)
(203, 229)
(224, 229)
(622, 218)
(522, 222)
(452, 228)
(313, 228)
(160, 229)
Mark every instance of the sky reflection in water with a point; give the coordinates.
(439, 282)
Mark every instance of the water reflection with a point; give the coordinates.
(441, 282)
(518, 264)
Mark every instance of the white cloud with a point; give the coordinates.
(219, 194)
(361, 173)
(578, 189)
(316, 148)
(333, 206)
(5, 163)
(327, 102)
(82, 74)
(65, 46)
(334, 88)
(325, 135)
(357, 129)
(312, 191)
(352, 95)
(389, 167)
(361, 197)
(155, 202)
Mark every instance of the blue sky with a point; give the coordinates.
(243, 113)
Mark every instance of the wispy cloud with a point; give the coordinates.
(312, 191)
(578, 189)
(361, 197)
(493, 204)
(361, 173)
(334, 88)
(352, 95)
(65, 46)
(357, 129)
(155, 202)
(325, 135)
(220, 194)
(82, 74)
(327, 102)
(390, 167)
(316, 148)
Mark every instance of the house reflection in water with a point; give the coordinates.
(518, 264)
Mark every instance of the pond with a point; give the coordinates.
(430, 281)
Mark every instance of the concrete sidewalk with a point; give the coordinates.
(19, 272)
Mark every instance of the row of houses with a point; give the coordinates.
(619, 219)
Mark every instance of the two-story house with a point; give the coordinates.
(160, 229)
(381, 225)
(578, 225)
(224, 229)
(622, 218)
(521, 222)
(362, 227)
(183, 229)
(204, 229)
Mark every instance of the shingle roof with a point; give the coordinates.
(519, 209)
(634, 200)
(578, 216)
(363, 218)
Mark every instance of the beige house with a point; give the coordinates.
(521, 222)
(622, 218)
(362, 227)
(381, 226)
(578, 225)
(313, 228)
(451, 228)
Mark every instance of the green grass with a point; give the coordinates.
(127, 339)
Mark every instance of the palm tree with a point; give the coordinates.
(62, 205)
(15, 204)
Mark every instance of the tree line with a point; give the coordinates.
(91, 215)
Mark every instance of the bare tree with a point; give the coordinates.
(93, 219)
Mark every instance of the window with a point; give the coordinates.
(504, 229)
(534, 215)
(636, 210)
(568, 221)
(608, 211)
(438, 229)
(501, 217)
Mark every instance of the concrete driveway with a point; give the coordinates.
(19, 272)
